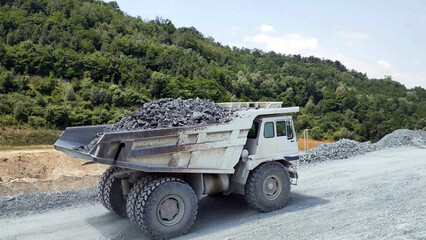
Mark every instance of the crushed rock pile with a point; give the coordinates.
(168, 113)
(31, 203)
(402, 137)
(345, 148)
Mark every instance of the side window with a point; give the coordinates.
(269, 130)
(253, 130)
(290, 133)
(280, 128)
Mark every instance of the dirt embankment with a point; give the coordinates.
(44, 169)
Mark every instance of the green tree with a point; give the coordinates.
(159, 82)
(6, 82)
(20, 112)
(70, 94)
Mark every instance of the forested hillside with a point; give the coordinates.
(74, 62)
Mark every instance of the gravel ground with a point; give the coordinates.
(32, 203)
(378, 195)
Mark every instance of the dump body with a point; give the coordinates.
(193, 149)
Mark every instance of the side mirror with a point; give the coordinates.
(289, 129)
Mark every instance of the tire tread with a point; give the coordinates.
(140, 206)
(252, 196)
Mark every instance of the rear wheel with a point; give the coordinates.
(136, 190)
(165, 208)
(268, 187)
(110, 192)
(101, 186)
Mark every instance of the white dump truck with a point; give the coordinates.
(158, 176)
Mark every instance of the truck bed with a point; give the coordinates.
(212, 148)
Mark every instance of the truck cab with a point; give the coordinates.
(270, 137)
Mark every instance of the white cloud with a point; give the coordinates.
(384, 65)
(266, 28)
(288, 44)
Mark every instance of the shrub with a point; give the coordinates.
(20, 112)
(316, 133)
(343, 133)
(37, 122)
(7, 120)
(70, 94)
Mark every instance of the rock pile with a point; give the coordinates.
(345, 148)
(168, 113)
(402, 137)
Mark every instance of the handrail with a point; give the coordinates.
(305, 135)
(266, 105)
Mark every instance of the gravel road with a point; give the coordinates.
(379, 195)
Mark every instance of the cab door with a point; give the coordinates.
(285, 138)
(268, 139)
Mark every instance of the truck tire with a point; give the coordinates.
(268, 187)
(114, 198)
(102, 182)
(136, 191)
(165, 208)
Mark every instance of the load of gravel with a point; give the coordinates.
(345, 148)
(168, 113)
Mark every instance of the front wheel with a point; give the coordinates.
(268, 187)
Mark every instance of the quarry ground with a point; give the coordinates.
(379, 195)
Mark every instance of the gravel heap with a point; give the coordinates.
(30, 203)
(345, 148)
(168, 113)
(402, 137)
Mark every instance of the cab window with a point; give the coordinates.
(269, 130)
(280, 128)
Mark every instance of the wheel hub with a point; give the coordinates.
(170, 210)
(271, 187)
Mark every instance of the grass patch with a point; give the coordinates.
(24, 137)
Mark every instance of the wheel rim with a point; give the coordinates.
(170, 210)
(271, 187)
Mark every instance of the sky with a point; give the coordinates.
(379, 38)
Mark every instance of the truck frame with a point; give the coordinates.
(158, 176)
